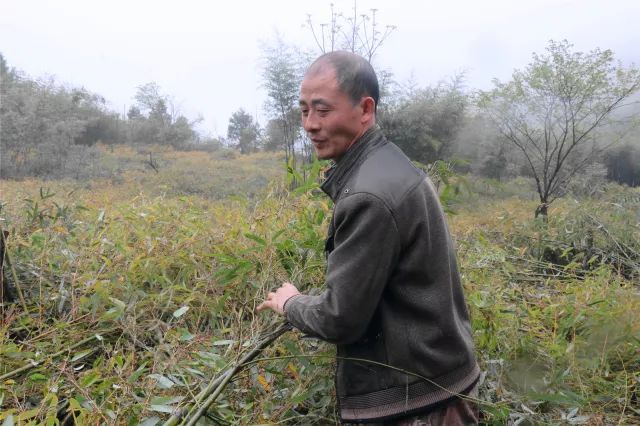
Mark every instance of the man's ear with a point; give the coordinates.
(368, 109)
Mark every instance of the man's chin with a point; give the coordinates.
(323, 154)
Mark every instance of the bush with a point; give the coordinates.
(623, 165)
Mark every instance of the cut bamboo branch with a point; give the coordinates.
(208, 396)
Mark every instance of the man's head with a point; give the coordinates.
(338, 100)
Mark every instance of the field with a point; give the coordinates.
(139, 287)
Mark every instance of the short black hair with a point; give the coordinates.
(355, 75)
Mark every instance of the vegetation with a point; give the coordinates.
(243, 131)
(50, 130)
(552, 111)
(138, 295)
(135, 250)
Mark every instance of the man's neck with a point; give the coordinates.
(355, 142)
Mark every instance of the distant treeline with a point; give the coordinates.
(49, 130)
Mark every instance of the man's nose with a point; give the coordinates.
(310, 122)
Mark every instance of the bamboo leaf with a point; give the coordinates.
(180, 312)
(162, 381)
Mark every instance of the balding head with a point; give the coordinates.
(356, 77)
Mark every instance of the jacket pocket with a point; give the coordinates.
(364, 366)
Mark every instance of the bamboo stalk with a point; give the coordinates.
(34, 364)
(13, 273)
(205, 398)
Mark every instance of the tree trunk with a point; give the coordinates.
(542, 210)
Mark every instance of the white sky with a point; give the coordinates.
(207, 53)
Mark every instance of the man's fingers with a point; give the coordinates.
(263, 305)
(275, 299)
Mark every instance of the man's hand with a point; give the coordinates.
(275, 301)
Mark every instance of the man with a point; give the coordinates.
(393, 302)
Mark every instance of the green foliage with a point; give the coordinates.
(424, 123)
(50, 130)
(449, 185)
(552, 110)
(170, 284)
(554, 337)
(243, 131)
(282, 72)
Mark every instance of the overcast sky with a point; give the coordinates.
(207, 53)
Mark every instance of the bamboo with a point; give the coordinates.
(34, 364)
(13, 273)
(217, 385)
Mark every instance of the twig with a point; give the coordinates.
(217, 385)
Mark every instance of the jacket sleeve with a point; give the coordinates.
(366, 246)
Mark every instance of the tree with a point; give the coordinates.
(148, 97)
(274, 136)
(424, 122)
(163, 122)
(552, 110)
(244, 131)
(355, 32)
(281, 75)
(134, 113)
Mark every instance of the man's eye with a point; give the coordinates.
(323, 111)
(305, 112)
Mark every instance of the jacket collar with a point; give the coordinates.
(340, 171)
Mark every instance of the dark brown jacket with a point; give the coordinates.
(393, 294)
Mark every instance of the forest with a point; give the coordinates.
(135, 249)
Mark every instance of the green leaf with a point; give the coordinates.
(119, 303)
(111, 314)
(162, 408)
(255, 238)
(185, 335)
(180, 312)
(28, 414)
(81, 355)
(223, 342)
(37, 377)
(194, 371)
(166, 400)
(136, 374)
(150, 421)
(162, 381)
(90, 379)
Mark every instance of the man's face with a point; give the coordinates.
(329, 117)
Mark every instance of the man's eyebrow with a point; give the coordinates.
(315, 102)
(322, 102)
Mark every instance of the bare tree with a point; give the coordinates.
(356, 32)
(552, 110)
